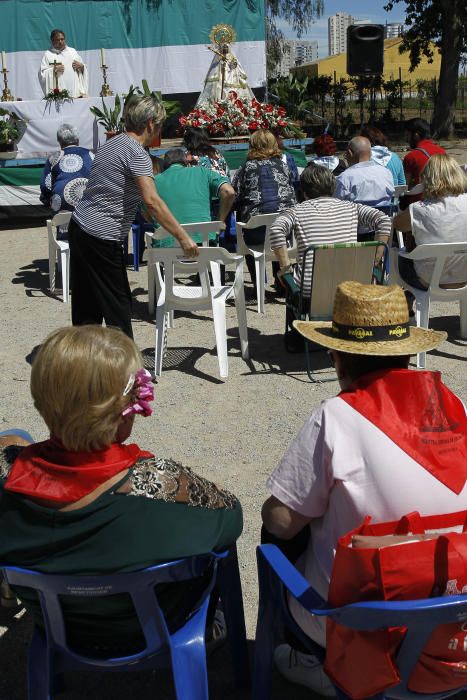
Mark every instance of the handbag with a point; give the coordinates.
(416, 567)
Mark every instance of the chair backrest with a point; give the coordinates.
(60, 219)
(333, 264)
(440, 252)
(399, 190)
(254, 222)
(278, 576)
(174, 262)
(203, 228)
(139, 585)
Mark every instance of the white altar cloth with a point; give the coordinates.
(40, 136)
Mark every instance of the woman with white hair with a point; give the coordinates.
(66, 172)
(121, 177)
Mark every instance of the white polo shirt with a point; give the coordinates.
(339, 469)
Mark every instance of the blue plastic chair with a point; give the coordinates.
(277, 577)
(137, 230)
(183, 650)
(18, 432)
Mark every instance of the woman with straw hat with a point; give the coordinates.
(378, 449)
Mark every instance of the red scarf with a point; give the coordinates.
(422, 416)
(46, 471)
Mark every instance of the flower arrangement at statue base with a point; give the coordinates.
(235, 117)
(57, 95)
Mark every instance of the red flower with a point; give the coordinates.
(220, 111)
(245, 111)
(255, 103)
(196, 123)
(281, 122)
(56, 91)
(281, 111)
(265, 124)
(183, 121)
(268, 109)
(239, 104)
(232, 95)
(253, 126)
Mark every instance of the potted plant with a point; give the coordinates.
(10, 128)
(110, 117)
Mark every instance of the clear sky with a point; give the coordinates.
(362, 9)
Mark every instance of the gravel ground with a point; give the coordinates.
(233, 432)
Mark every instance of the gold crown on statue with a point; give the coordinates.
(222, 34)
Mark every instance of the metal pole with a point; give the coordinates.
(266, 89)
(335, 105)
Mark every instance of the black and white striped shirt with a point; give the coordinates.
(111, 198)
(324, 220)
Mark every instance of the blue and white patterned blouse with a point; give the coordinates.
(65, 177)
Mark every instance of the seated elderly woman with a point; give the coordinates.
(66, 172)
(325, 148)
(441, 217)
(264, 185)
(85, 501)
(321, 218)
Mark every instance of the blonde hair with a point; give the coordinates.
(442, 176)
(77, 383)
(263, 144)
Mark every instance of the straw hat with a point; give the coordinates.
(370, 320)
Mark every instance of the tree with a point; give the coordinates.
(299, 13)
(443, 23)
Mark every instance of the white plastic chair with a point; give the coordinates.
(173, 297)
(260, 253)
(439, 251)
(203, 228)
(56, 247)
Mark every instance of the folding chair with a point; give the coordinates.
(171, 297)
(332, 264)
(261, 253)
(440, 252)
(278, 578)
(183, 650)
(56, 247)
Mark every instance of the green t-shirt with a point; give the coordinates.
(188, 192)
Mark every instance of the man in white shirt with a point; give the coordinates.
(377, 449)
(365, 181)
(63, 68)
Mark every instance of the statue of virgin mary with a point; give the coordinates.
(225, 72)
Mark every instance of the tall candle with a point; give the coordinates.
(103, 56)
(3, 60)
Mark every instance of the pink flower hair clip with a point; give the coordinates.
(141, 385)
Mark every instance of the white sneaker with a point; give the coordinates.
(304, 669)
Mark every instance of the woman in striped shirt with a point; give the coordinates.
(321, 218)
(121, 176)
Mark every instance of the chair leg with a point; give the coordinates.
(135, 232)
(220, 330)
(230, 589)
(52, 266)
(161, 328)
(216, 274)
(189, 658)
(65, 267)
(260, 265)
(463, 318)
(422, 314)
(151, 287)
(242, 321)
(39, 669)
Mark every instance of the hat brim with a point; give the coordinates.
(419, 340)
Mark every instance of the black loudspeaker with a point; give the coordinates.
(365, 49)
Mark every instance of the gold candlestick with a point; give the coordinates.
(105, 89)
(6, 94)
